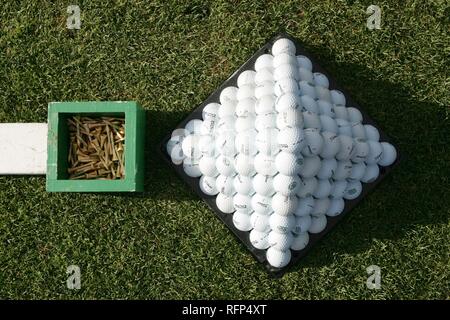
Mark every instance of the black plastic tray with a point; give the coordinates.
(260, 255)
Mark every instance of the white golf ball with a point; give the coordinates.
(307, 89)
(194, 126)
(318, 224)
(226, 109)
(245, 92)
(228, 94)
(264, 75)
(246, 77)
(266, 141)
(264, 61)
(261, 204)
(225, 185)
(361, 150)
(242, 203)
(280, 241)
(241, 220)
(225, 203)
(338, 189)
(264, 89)
(265, 105)
(371, 174)
(286, 71)
(291, 139)
(327, 168)
(354, 189)
(287, 101)
(313, 142)
(244, 123)
(340, 111)
(171, 144)
(284, 205)
(245, 107)
(308, 185)
(304, 62)
(265, 164)
(389, 154)
(311, 120)
(207, 166)
(337, 97)
(177, 155)
(336, 207)
(209, 126)
(358, 130)
(306, 75)
(286, 185)
(265, 121)
(354, 115)
(358, 171)
(225, 125)
(302, 224)
(343, 170)
(375, 152)
(278, 258)
(288, 164)
(328, 124)
(320, 207)
(289, 118)
(305, 206)
(263, 185)
(244, 165)
(225, 144)
(311, 166)
(372, 133)
(225, 166)
(211, 110)
(191, 167)
(283, 45)
(300, 241)
(245, 142)
(282, 224)
(331, 145)
(326, 108)
(309, 104)
(243, 184)
(284, 58)
(179, 134)
(344, 127)
(321, 80)
(260, 222)
(323, 189)
(347, 149)
(208, 185)
(323, 94)
(285, 85)
(260, 240)
(190, 146)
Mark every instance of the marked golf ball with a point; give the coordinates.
(280, 241)
(354, 189)
(344, 127)
(264, 75)
(307, 89)
(331, 145)
(284, 205)
(245, 107)
(177, 155)
(347, 148)
(323, 189)
(246, 77)
(340, 111)
(264, 61)
(375, 152)
(305, 206)
(323, 94)
(286, 185)
(261, 204)
(311, 166)
(278, 258)
(265, 105)
(245, 142)
(242, 203)
(226, 125)
(207, 166)
(265, 164)
(289, 118)
(291, 139)
(211, 110)
(266, 141)
(288, 164)
(313, 142)
(287, 101)
(358, 171)
(389, 154)
(354, 115)
(358, 131)
(191, 167)
(265, 88)
(284, 58)
(326, 108)
(304, 62)
(225, 165)
(343, 170)
(308, 185)
(321, 80)
(225, 185)
(285, 85)
(190, 146)
(243, 184)
(282, 224)
(244, 165)
(300, 241)
(241, 221)
(263, 185)
(306, 75)
(225, 144)
(372, 133)
(302, 224)
(337, 97)
(338, 189)
(283, 45)
(209, 126)
(244, 123)
(260, 240)
(265, 121)
(336, 207)
(318, 224)
(245, 92)
(171, 144)
(311, 120)
(328, 124)
(208, 185)
(286, 71)
(228, 94)
(260, 222)
(327, 168)
(361, 150)
(194, 126)
(371, 174)
(225, 203)
(309, 104)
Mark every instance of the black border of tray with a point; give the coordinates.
(226, 218)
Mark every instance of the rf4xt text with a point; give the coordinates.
(246, 309)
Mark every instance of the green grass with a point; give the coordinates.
(169, 56)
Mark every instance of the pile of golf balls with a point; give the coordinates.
(280, 152)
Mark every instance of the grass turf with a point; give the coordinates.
(169, 56)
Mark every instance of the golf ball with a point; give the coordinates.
(243, 184)
(246, 77)
(305, 207)
(244, 165)
(286, 71)
(287, 101)
(260, 222)
(242, 203)
(338, 189)
(225, 166)
(191, 167)
(354, 189)
(225, 203)
(321, 80)
(284, 58)
(285, 85)
(265, 88)
(289, 118)
(264, 61)
(308, 185)
(389, 154)
(288, 164)
(194, 126)
(331, 145)
(211, 110)
(261, 204)
(278, 258)
(225, 143)
(263, 185)
(291, 139)
(343, 170)
(225, 185)
(266, 141)
(304, 62)
(327, 168)
(207, 166)
(311, 166)
(264, 75)
(300, 241)
(309, 104)
(280, 241)
(372, 133)
(323, 189)
(284, 205)
(286, 185)
(228, 94)
(307, 89)
(241, 221)
(337, 97)
(208, 185)
(265, 105)
(265, 164)
(371, 174)
(318, 224)
(190, 146)
(282, 224)
(283, 45)
(302, 224)
(260, 240)
(313, 142)
(306, 75)
(311, 120)
(336, 207)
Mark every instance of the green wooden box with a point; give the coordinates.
(58, 145)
